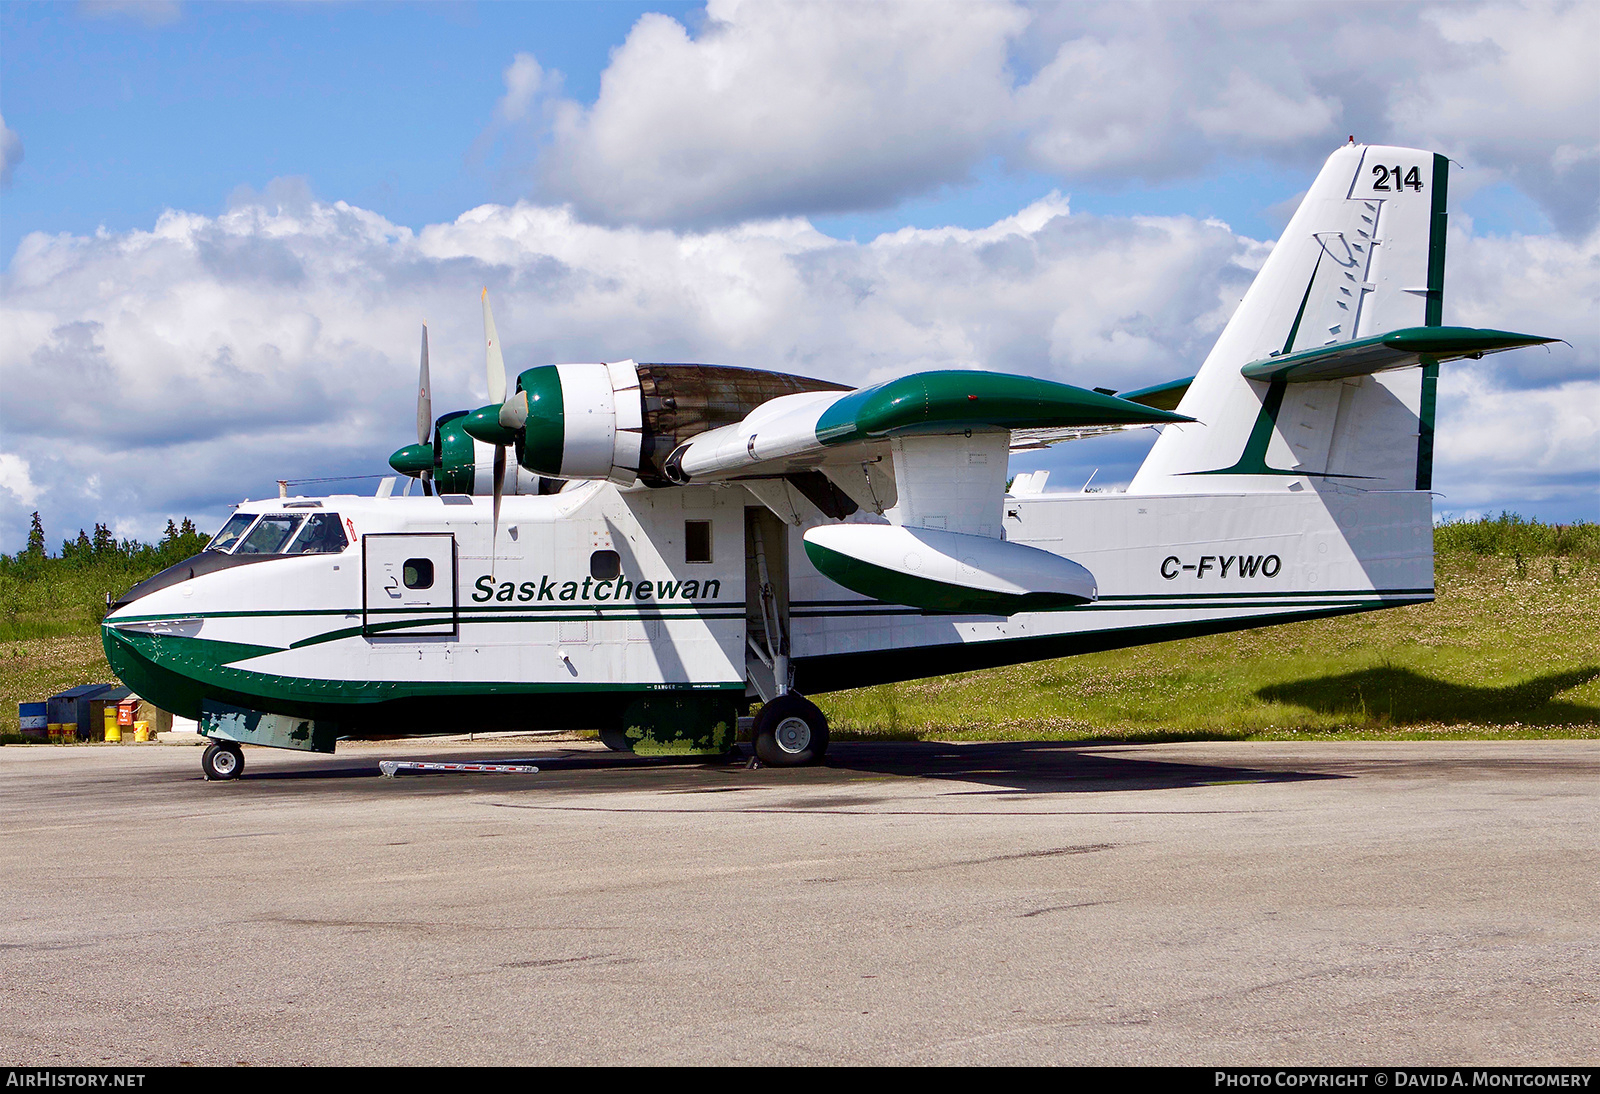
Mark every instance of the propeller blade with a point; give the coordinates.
(427, 484)
(494, 363)
(499, 489)
(424, 395)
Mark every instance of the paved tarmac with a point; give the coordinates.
(1329, 903)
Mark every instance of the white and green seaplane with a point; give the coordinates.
(672, 544)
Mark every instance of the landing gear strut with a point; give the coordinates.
(789, 731)
(221, 761)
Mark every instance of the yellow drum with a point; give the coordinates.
(113, 730)
(141, 732)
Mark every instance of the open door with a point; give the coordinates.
(766, 582)
(409, 585)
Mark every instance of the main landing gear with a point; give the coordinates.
(790, 731)
(221, 761)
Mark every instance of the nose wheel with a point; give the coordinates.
(790, 731)
(222, 761)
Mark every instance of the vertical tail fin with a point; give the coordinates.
(1362, 256)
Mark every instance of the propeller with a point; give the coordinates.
(495, 365)
(424, 413)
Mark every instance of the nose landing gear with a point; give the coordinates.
(222, 761)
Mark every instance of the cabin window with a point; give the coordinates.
(322, 534)
(418, 573)
(605, 565)
(269, 535)
(231, 531)
(697, 541)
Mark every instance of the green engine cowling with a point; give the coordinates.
(452, 457)
(582, 421)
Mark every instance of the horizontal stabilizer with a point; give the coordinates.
(1398, 349)
(1165, 396)
(947, 571)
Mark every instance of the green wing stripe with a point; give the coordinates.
(942, 402)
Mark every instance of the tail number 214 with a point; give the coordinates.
(1412, 180)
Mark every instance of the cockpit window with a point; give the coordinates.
(269, 535)
(225, 539)
(321, 535)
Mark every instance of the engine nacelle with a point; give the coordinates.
(583, 421)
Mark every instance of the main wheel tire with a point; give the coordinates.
(221, 762)
(616, 740)
(790, 731)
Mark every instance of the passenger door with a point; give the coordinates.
(409, 585)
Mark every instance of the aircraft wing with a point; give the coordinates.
(928, 454)
(1161, 396)
(813, 430)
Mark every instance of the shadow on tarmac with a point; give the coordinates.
(1009, 767)
(1399, 696)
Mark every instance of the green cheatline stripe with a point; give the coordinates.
(507, 617)
(1281, 605)
(174, 616)
(568, 606)
(1270, 593)
(693, 607)
(803, 609)
(398, 626)
(1287, 593)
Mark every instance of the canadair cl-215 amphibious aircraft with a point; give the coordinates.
(671, 543)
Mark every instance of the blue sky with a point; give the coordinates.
(377, 105)
(669, 119)
(386, 105)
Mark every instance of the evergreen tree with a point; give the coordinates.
(105, 543)
(36, 538)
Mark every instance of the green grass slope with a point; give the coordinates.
(1508, 648)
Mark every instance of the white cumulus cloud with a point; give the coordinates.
(15, 480)
(772, 108)
(1522, 99)
(776, 108)
(10, 152)
(172, 371)
(523, 78)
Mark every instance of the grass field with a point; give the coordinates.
(1509, 649)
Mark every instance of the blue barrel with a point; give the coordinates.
(33, 719)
